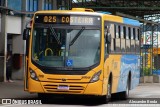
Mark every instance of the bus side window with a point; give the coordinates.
(124, 32)
(123, 42)
(107, 37)
(132, 40)
(137, 41)
(128, 39)
(117, 40)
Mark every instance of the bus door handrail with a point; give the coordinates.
(47, 51)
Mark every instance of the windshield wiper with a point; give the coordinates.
(75, 38)
(55, 35)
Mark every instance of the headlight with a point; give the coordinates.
(33, 75)
(96, 76)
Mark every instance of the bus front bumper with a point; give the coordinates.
(65, 88)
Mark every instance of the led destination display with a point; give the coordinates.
(68, 19)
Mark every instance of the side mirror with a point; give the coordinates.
(25, 34)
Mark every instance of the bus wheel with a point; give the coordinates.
(109, 87)
(124, 95)
(107, 97)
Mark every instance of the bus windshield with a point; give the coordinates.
(62, 47)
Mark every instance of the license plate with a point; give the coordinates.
(63, 87)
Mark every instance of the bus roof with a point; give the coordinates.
(123, 20)
(131, 22)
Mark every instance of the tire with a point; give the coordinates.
(124, 95)
(105, 99)
(109, 89)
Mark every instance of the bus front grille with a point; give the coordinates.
(71, 88)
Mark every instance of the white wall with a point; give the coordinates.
(17, 44)
(14, 24)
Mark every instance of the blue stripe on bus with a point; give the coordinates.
(129, 63)
(131, 22)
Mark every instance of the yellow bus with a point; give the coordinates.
(82, 52)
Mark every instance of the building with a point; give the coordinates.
(13, 17)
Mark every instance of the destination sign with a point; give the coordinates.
(68, 19)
